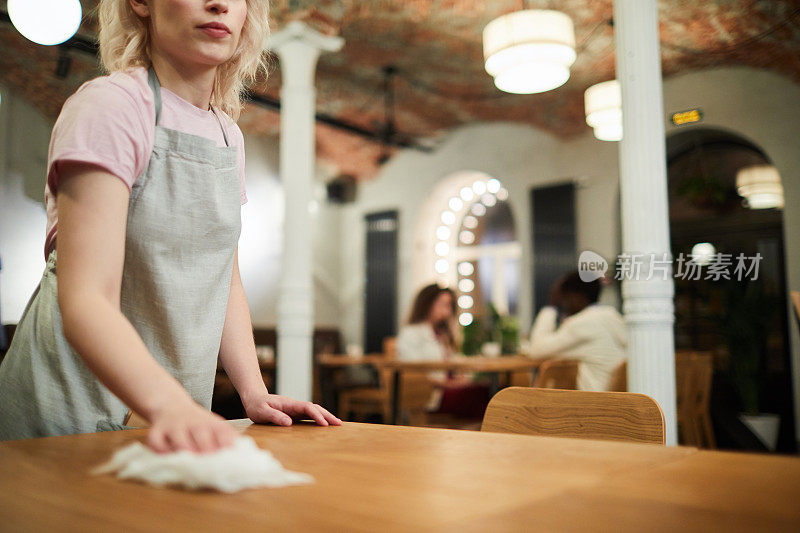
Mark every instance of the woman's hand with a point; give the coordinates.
(280, 410)
(188, 426)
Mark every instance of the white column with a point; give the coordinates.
(647, 303)
(298, 47)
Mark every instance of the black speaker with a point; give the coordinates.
(342, 189)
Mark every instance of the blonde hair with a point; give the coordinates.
(125, 43)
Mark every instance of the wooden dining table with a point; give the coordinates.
(393, 478)
(492, 366)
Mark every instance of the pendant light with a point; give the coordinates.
(761, 187)
(529, 51)
(46, 22)
(603, 103)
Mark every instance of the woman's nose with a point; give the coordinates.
(217, 6)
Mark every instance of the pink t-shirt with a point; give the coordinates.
(110, 122)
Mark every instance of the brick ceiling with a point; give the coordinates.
(436, 47)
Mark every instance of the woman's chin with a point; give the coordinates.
(206, 58)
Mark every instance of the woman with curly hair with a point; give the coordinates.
(141, 293)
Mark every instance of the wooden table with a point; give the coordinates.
(393, 478)
(491, 365)
(340, 361)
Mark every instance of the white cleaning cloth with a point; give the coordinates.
(242, 466)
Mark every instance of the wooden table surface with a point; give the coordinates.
(336, 361)
(507, 363)
(389, 478)
(478, 363)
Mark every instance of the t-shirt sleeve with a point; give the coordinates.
(239, 139)
(103, 125)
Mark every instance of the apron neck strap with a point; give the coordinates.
(224, 135)
(155, 86)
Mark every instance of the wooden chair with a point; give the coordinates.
(704, 368)
(620, 416)
(693, 379)
(521, 379)
(362, 401)
(557, 374)
(619, 379)
(135, 420)
(416, 389)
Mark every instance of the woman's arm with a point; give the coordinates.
(549, 341)
(237, 351)
(92, 214)
(238, 356)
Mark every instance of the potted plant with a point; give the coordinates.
(495, 335)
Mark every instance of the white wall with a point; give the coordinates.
(260, 245)
(24, 136)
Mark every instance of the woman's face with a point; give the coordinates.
(442, 308)
(204, 32)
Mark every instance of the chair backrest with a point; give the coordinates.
(557, 374)
(620, 416)
(693, 381)
(135, 420)
(416, 389)
(390, 347)
(389, 353)
(619, 378)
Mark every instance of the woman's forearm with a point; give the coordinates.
(237, 349)
(113, 350)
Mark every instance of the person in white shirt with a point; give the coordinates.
(431, 334)
(590, 333)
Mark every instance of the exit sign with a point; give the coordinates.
(687, 117)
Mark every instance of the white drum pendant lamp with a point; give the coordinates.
(604, 110)
(529, 51)
(46, 22)
(761, 186)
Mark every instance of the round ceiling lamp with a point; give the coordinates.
(604, 110)
(529, 51)
(46, 22)
(761, 186)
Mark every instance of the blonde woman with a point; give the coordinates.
(141, 293)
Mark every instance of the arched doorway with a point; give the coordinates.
(742, 321)
(466, 239)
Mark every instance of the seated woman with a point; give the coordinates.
(432, 335)
(590, 333)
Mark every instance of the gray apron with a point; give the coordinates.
(182, 230)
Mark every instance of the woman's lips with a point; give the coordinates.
(217, 33)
